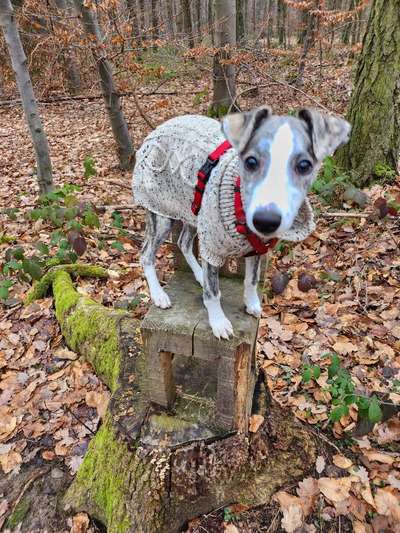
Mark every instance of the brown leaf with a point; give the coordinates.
(7, 425)
(99, 400)
(10, 460)
(333, 489)
(341, 461)
(308, 491)
(292, 518)
(387, 504)
(320, 464)
(255, 423)
(80, 523)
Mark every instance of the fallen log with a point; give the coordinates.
(148, 470)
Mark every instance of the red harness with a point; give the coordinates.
(203, 175)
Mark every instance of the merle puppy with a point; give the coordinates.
(277, 159)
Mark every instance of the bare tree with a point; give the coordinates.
(30, 106)
(67, 54)
(187, 22)
(239, 21)
(110, 94)
(224, 72)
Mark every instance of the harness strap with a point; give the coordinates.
(259, 247)
(203, 175)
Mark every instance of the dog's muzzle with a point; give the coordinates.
(267, 220)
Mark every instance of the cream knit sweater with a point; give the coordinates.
(165, 175)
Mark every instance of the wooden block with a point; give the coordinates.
(184, 331)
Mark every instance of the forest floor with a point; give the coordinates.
(51, 402)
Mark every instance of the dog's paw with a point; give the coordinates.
(222, 328)
(161, 299)
(254, 308)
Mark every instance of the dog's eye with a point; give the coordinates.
(251, 163)
(304, 166)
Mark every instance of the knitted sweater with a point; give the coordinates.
(165, 175)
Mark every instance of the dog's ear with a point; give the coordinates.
(239, 128)
(326, 132)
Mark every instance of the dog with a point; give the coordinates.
(277, 159)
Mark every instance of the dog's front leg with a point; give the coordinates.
(251, 279)
(220, 325)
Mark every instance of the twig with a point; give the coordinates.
(346, 215)
(141, 112)
(11, 311)
(325, 439)
(80, 421)
(27, 485)
(119, 184)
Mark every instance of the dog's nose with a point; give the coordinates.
(267, 220)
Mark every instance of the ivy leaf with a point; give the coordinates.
(91, 219)
(316, 371)
(42, 248)
(334, 366)
(118, 246)
(32, 267)
(374, 410)
(307, 374)
(89, 166)
(336, 414)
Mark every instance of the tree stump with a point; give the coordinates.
(150, 470)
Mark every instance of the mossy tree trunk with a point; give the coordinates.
(374, 110)
(239, 22)
(187, 23)
(224, 83)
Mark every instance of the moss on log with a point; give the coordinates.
(42, 287)
(89, 328)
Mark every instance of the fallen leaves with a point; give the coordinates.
(335, 490)
(255, 423)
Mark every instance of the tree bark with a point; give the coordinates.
(67, 55)
(187, 22)
(308, 42)
(374, 109)
(29, 104)
(224, 74)
(112, 101)
(154, 19)
(240, 33)
(281, 23)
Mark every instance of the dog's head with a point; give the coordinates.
(280, 158)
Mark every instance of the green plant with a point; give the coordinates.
(343, 392)
(70, 221)
(331, 183)
(89, 167)
(229, 515)
(385, 173)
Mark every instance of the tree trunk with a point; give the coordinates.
(133, 19)
(154, 19)
(224, 74)
(240, 34)
(374, 109)
(67, 54)
(169, 5)
(348, 24)
(187, 22)
(112, 101)
(308, 42)
(281, 23)
(210, 18)
(31, 110)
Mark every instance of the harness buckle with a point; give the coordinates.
(208, 166)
